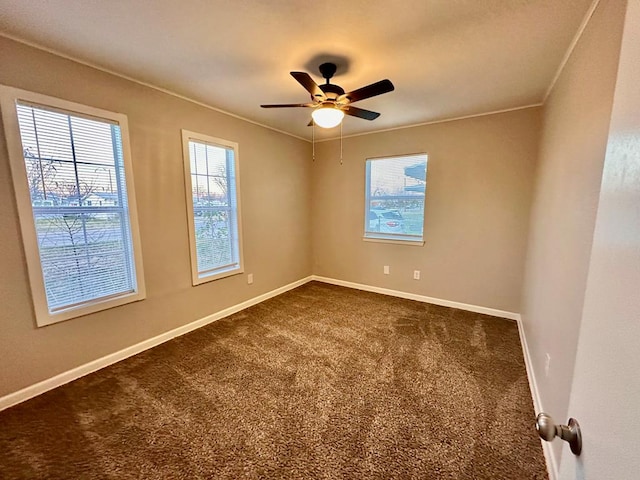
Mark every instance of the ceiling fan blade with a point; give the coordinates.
(289, 105)
(310, 86)
(360, 112)
(378, 88)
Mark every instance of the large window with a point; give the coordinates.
(211, 175)
(73, 182)
(394, 203)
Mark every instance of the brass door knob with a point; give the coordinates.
(548, 430)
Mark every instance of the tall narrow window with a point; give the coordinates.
(211, 175)
(73, 185)
(394, 198)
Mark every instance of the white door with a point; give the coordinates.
(605, 395)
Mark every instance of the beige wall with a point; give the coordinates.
(275, 174)
(572, 149)
(479, 185)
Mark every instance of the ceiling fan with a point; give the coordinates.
(330, 102)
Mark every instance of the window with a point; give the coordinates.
(81, 257)
(211, 176)
(394, 203)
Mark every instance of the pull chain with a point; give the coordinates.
(340, 143)
(313, 141)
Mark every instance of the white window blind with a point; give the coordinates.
(76, 180)
(394, 198)
(214, 225)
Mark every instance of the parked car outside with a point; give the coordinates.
(386, 221)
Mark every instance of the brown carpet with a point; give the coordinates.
(320, 382)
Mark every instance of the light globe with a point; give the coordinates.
(327, 116)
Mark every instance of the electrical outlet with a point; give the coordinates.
(250, 278)
(416, 274)
(385, 269)
(547, 364)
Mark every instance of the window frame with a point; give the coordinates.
(9, 98)
(377, 237)
(187, 136)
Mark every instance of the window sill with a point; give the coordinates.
(45, 318)
(397, 241)
(219, 274)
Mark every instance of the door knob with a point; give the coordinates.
(548, 430)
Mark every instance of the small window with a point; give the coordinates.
(81, 257)
(394, 198)
(212, 185)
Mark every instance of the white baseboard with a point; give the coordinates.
(75, 373)
(552, 464)
(420, 298)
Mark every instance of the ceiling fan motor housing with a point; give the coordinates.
(331, 91)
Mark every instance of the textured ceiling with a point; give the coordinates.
(447, 58)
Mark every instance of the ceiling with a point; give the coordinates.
(446, 58)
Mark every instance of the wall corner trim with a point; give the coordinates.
(75, 373)
(572, 46)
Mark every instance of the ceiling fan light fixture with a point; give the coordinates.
(327, 116)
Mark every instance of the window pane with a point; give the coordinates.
(395, 197)
(213, 240)
(83, 257)
(75, 174)
(92, 142)
(200, 187)
(215, 232)
(46, 132)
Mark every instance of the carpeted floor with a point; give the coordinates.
(320, 382)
